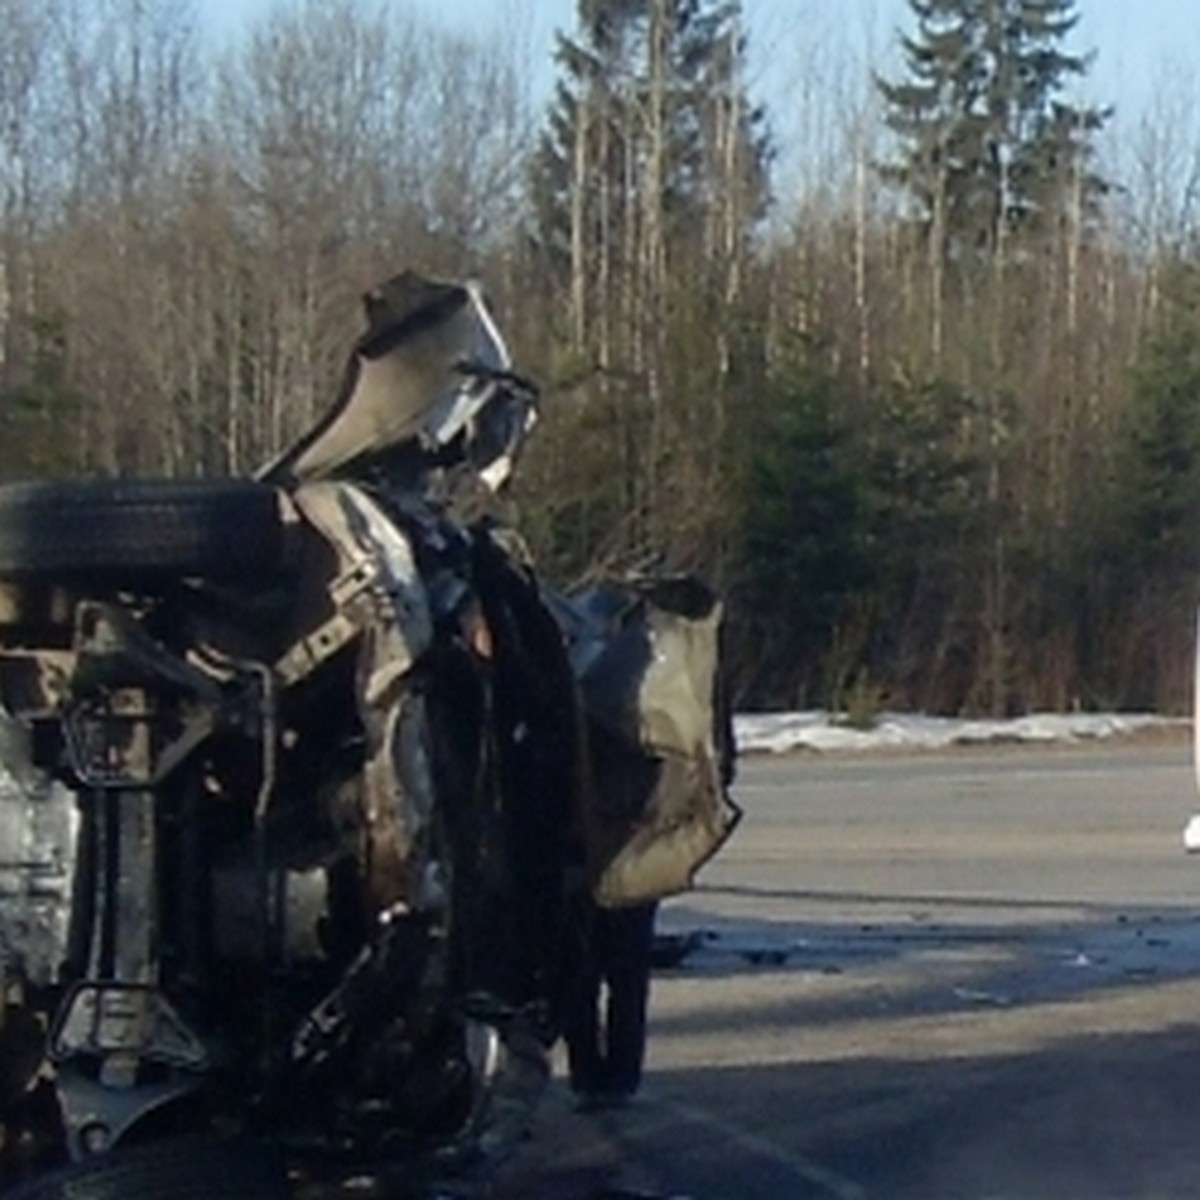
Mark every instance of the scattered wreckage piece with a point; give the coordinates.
(297, 769)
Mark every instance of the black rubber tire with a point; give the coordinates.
(133, 528)
(179, 1169)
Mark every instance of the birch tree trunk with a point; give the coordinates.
(937, 265)
(654, 258)
(862, 307)
(579, 195)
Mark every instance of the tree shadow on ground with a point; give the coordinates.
(999, 964)
(1092, 1117)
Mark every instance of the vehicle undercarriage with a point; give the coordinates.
(300, 771)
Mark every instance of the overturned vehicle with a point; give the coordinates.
(298, 772)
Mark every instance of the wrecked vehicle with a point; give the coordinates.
(298, 770)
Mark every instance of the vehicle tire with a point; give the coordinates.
(181, 1169)
(131, 528)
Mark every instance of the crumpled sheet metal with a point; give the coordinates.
(379, 596)
(432, 369)
(378, 586)
(675, 700)
(648, 662)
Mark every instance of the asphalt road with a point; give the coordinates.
(971, 975)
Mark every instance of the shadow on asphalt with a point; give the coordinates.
(1086, 1115)
(1092, 1118)
(1000, 965)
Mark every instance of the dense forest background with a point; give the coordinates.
(929, 414)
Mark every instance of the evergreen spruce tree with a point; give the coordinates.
(649, 121)
(987, 147)
(805, 552)
(1161, 445)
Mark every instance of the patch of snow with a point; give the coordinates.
(777, 733)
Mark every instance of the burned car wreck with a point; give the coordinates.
(297, 770)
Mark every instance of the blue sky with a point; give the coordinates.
(1142, 47)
